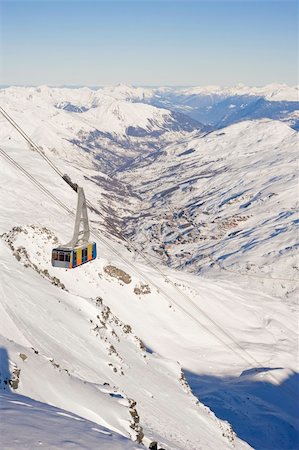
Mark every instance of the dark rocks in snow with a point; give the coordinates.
(54, 364)
(99, 301)
(185, 383)
(127, 329)
(9, 377)
(22, 255)
(154, 446)
(135, 421)
(15, 378)
(142, 289)
(120, 274)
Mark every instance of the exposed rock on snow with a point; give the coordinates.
(120, 274)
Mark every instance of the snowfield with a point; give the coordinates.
(194, 345)
(87, 355)
(28, 424)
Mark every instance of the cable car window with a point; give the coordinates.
(61, 256)
(67, 257)
(84, 253)
(55, 256)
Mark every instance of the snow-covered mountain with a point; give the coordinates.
(272, 92)
(108, 113)
(224, 201)
(114, 128)
(201, 357)
(219, 106)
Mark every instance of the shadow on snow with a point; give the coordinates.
(263, 414)
(5, 374)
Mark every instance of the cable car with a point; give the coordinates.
(80, 249)
(70, 258)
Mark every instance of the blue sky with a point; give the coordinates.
(148, 42)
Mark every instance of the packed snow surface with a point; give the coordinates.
(28, 424)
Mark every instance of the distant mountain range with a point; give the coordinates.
(217, 107)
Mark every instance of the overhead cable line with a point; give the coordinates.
(99, 237)
(159, 289)
(92, 207)
(153, 265)
(29, 140)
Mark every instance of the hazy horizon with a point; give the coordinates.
(148, 43)
(153, 86)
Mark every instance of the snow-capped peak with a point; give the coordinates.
(273, 91)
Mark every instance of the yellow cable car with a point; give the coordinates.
(79, 250)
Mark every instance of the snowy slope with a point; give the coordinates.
(101, 130)
(93, 109)
(113, 349)
(77, 353)
(27, 424)
(88, 355)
